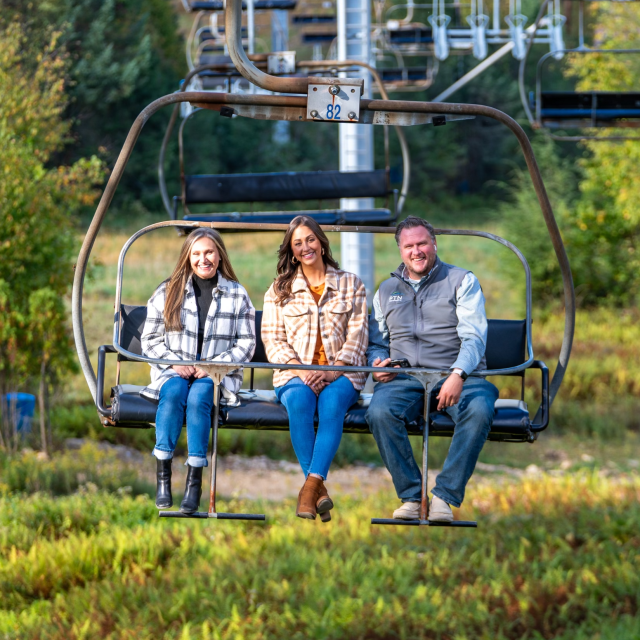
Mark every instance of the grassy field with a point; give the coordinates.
(552, 558)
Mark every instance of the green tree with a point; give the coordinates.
(121, 55)
(597, 200)
(607, 219)
(38, 201)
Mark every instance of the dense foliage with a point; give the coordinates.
(38, 201)
(597, 200)
(121, 55)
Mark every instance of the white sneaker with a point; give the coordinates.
(439, 511)
(408, 511)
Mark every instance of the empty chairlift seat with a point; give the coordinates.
(314, 19)
(318, 37)
(403, 74)
(410, 35)
(589, 109)
(291, 187)
(259, 409)
(258, 5)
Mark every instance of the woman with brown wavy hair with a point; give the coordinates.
(314, 313)
(200, 313)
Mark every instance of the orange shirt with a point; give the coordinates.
(319, 355)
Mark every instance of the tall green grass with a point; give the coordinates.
(552, 558)
(89, 468)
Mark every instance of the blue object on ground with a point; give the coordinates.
(20, 408)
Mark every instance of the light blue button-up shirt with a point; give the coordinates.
(472, 324)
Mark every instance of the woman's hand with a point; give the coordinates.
(318, 380)
(200, 373)
(185, 372)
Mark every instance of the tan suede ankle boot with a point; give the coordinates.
(309, 498)
(324, 504)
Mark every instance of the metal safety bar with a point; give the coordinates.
(276, 107)
(428, 378)
(428, 381)
(216, 375)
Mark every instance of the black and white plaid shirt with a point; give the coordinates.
(229, 335)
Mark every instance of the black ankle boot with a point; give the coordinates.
(192, 490)
(164, 500)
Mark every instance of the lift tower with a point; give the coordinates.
(356, 141)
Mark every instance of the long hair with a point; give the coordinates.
(287, 269)
(182, 272)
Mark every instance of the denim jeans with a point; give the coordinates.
(315, 452)
(399, 402)
(177, 398)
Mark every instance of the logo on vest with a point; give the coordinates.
(396, 296)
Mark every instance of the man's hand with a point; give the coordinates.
(450, 391)
(185, 372)
(200, 373)
(383, 377)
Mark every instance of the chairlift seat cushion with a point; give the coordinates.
(261, 410)
(285, 186)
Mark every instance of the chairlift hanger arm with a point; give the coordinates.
(407, 107)
(523, 63)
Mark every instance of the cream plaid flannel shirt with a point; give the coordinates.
(290, 330)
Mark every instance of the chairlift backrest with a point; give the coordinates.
(506, 343)
(506, 339)
(285, 186)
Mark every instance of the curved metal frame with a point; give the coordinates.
(234, 226)
(390, 106)
(581, 49)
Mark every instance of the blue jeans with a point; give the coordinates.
(315, 452)
(177, 398)
(399, 402)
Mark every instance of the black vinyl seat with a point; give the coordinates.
(260, 410)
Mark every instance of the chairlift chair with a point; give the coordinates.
(509, 349)
(285, 186)
(552, 110)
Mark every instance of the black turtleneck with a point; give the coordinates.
(204, 295)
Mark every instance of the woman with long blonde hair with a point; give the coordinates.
(200, 313)
(315, 313)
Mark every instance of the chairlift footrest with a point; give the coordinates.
(215, 516)
(426, 523)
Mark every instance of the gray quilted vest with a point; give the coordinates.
(423, 324)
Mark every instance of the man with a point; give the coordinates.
(431, 314)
